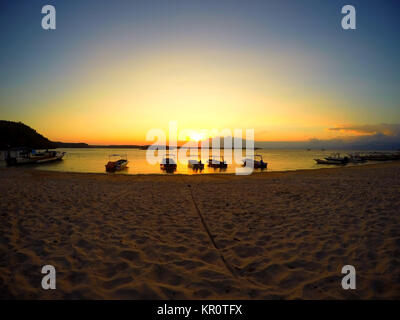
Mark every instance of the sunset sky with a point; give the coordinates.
(112, 70)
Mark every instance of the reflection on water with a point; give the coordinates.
(94, 161)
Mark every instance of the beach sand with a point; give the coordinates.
(266, 236)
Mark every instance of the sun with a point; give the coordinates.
(196, 136)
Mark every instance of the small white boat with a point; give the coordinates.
(116, 165)
(195, 164)
(355, 158)
(214, 162)
(168, 163)
(327, 161)
(336, 157)
(52, 156)
(20, 156)
(256, 162)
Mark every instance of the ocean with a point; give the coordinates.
(93, 160)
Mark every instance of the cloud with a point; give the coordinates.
(370, 129)
(370, 137)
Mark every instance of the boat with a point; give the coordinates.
(381, 156)
(256, 162)
(116, 165)
(168, 163)
(21, 156)
(355, 158)
(51, 156)
(195, 164)
(333, 159)
(336, 157)
(325, 161)
(214, 162)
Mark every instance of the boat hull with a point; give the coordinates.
(113, 166)
(195, 165)
(164, 166)
(218, 165)
(332, 162)
(199, 166)
(35, 159)
(51, 159)
(256, 164)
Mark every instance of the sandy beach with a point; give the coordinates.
(283, 235)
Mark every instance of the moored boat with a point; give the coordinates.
(336, 157)
(168, 163)
(21, 156)
(195, 164)
(214, 162)
(381, 156)
(355, 158)
(52, 156)
(256, 162)
(116, 165)
(326, 161)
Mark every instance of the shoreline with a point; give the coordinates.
(229, 174)
(273, 235)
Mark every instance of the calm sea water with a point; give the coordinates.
(94, 160)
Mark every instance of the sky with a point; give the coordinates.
(113, 70)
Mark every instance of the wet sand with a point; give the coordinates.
(266, 236)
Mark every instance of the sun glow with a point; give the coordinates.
(197, 136)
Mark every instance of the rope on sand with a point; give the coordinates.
(228, 267)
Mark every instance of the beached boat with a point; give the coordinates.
(256, 162)
(214, 162)
(116, 165)
(168, 163)
(195, 164)
(21, 156)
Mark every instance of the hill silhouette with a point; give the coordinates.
(17, 134)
